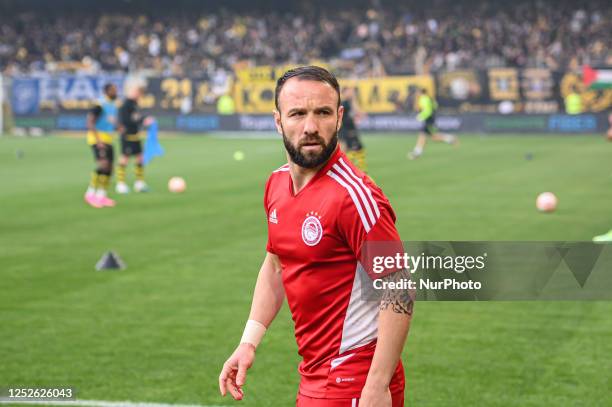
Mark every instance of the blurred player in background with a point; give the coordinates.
(130, 123)
(606, 237)
(348, 135)
(426, 107)
(321, 212)
(101, 122)
(573, 101)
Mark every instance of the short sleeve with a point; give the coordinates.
(269, 247)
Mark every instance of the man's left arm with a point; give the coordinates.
(396, 306)
(393, 324)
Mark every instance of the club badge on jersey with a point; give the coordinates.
(312, 231)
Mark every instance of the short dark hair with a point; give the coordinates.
(308, 73)
(108, 86)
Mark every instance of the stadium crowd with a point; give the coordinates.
(362, 41)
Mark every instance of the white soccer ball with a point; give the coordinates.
(505, 107)
(546, 202)
(176, 185)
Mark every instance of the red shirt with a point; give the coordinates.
(318, 234)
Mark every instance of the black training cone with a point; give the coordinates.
(110, 261)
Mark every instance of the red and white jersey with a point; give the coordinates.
(318, 234)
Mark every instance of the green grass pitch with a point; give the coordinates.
(160, 330)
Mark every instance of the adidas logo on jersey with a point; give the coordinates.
(273, 218)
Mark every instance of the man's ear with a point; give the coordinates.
(340, 115)
(277, 122)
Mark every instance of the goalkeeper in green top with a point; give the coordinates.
(426, 107)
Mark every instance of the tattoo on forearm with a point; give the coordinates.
(400, 301)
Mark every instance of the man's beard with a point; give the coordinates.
(311, 160)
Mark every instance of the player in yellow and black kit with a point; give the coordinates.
(101, 121)
(348, 135)
(130, 123)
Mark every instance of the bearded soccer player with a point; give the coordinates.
(101, 122)
(321, 210)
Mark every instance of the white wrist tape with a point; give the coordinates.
(254, 331)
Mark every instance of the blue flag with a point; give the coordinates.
(152, 148)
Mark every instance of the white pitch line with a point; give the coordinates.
(99, 403)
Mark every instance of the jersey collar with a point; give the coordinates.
(332, 160)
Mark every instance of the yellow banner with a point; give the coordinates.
(374, 95)
(254, 97)
(593, 100)
(503, 84)
(385, 95)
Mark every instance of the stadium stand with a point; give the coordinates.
(363, 39)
